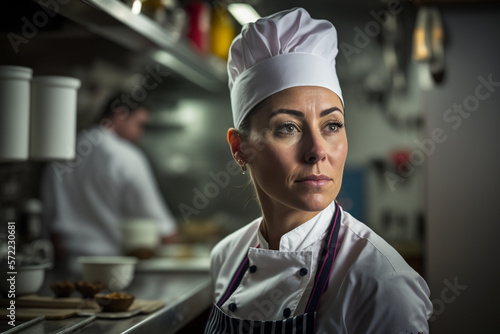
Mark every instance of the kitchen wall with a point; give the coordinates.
(462, 176)
(384, 114)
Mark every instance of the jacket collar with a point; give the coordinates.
(303, 236)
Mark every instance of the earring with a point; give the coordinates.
(243, 166)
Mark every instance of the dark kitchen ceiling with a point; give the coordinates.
(325, 9)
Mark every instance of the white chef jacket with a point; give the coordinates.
(371, 288)
(85, 200)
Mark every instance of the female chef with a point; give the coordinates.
(305, 266)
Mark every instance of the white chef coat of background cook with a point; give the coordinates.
(371, 288)
(86, 200)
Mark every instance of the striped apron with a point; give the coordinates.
(221, 323)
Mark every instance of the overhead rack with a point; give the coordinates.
(114, 21)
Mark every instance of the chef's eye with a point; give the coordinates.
(286, 129)
(334, 126)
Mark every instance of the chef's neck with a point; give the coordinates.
(277, 220)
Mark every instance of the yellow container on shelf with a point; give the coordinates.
(152, 4)
(222, 32)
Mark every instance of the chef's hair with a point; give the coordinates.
(121, 102)
(244, 128)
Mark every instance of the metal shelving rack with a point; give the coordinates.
(115, 21)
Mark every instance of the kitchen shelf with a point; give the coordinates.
(115, 21)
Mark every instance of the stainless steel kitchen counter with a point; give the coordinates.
(186, 296)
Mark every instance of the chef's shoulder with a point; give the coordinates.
(235, 244)
(100, 142)
(125, 149)
(122, 154)
(376, 266)
(380, 283)
(370, 249)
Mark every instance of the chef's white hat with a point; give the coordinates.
(284, 50)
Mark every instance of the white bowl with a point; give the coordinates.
(139, 233)
(27, 280)
(117, 272)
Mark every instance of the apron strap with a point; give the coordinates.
(325, 265)
(235, 282)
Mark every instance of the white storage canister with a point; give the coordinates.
(14, 112)
(53, 117)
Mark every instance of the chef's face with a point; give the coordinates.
(131, 125)
(299, 143)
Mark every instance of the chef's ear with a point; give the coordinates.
(234, 140)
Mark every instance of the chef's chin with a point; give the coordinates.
(313, 202)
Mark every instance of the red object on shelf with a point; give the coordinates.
(401, 162)
(199, 25)
(400, 157)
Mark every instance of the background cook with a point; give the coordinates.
(84, 206)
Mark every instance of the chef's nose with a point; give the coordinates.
(315, 147)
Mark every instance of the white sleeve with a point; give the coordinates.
(142, 197)
(394, 303)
